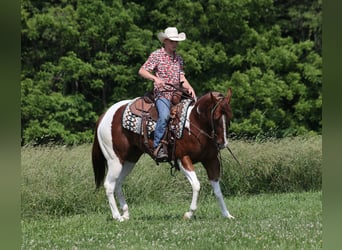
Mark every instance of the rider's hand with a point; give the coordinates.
(192, 93)
(158, 83)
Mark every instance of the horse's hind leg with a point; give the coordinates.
(114, 171)
(127, 168)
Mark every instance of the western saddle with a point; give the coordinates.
(144, 108)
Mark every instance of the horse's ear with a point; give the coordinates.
(212, 97)
(229, 94)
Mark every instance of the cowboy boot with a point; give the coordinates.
(159, 152)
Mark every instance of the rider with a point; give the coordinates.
(164, 67)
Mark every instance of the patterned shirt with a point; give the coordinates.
(166, 67)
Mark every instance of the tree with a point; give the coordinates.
(79, 57)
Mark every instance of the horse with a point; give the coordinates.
(116, 150)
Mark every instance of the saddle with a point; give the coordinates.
(141, 115)
(144, 106)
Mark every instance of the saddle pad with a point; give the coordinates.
(133, 122)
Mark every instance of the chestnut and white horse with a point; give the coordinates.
(116, 150)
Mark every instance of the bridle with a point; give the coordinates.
(213, 131)
(213, 135)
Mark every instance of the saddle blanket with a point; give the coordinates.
(133, 122)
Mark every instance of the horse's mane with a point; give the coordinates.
(206, 101)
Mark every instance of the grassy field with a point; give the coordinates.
(275, 196)
(268, 221)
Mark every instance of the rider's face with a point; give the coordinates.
(170, 46)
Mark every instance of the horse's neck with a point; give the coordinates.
(198, 117)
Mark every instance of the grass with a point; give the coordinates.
(267, 221)
(275, 196)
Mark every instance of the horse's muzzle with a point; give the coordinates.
(222, 145)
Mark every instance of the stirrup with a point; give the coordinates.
(159, 154)
(156, 150)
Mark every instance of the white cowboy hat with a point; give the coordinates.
(171, 33)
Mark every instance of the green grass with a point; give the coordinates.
(275, 196)
(268, 221)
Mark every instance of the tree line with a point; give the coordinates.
(79, 57)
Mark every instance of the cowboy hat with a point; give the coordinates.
(171, 33)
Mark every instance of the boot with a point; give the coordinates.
(160, 154)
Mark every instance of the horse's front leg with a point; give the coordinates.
(213, 170)
(188, 169)
(219, 196)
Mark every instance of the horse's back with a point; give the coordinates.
(108, 115)
(104, 129)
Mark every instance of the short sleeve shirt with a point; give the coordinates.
(166, 67)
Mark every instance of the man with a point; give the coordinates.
(164, 67)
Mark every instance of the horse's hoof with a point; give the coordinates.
(187, 216)
(125, 217)
(119, 219)
(231, 217)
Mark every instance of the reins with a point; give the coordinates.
(181, 89)
(231, 152)
(213, 135)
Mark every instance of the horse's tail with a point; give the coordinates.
(98, 159)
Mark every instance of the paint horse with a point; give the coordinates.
(116, 150)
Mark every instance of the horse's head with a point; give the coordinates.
(214, 108)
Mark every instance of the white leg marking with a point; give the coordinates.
(219, 196)
(127, 168)
(195, 184)
(114, 170)
(104, 133)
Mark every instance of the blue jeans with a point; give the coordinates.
(163, 107)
